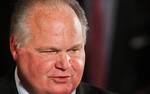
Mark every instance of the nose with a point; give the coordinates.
(63, 61)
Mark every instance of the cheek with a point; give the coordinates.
(41, 66)
(81, 62)
(78, 65)
(34, 65)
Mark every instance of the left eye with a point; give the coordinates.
(75, 50)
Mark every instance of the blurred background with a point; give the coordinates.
(118, 44)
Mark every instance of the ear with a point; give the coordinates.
(13, 47)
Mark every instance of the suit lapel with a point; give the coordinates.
(9, 84)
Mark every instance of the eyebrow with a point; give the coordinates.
(57, 49)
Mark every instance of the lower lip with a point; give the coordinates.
(61, 79)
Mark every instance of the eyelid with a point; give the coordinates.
(47, 50)
(76, 49)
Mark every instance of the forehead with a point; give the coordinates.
(40, 14)
(41, 18)
(50, 12)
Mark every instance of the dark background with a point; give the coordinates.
(5, 57)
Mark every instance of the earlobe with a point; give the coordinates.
(13, 47)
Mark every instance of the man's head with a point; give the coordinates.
(47, 42)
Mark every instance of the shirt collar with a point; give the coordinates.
(21, 89)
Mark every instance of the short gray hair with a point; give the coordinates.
(18, 28)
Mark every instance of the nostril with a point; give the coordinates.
(63, 62)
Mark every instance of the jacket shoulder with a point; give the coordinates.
(7, 85)
(85, 88)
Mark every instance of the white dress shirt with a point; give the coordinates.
(21, 89)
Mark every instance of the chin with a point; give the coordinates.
(61, 90)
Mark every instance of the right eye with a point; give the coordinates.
(48, 51)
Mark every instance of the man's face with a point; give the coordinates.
(52, 62)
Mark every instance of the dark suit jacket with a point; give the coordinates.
(8, 86)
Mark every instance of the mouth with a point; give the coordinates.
(61, 79)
